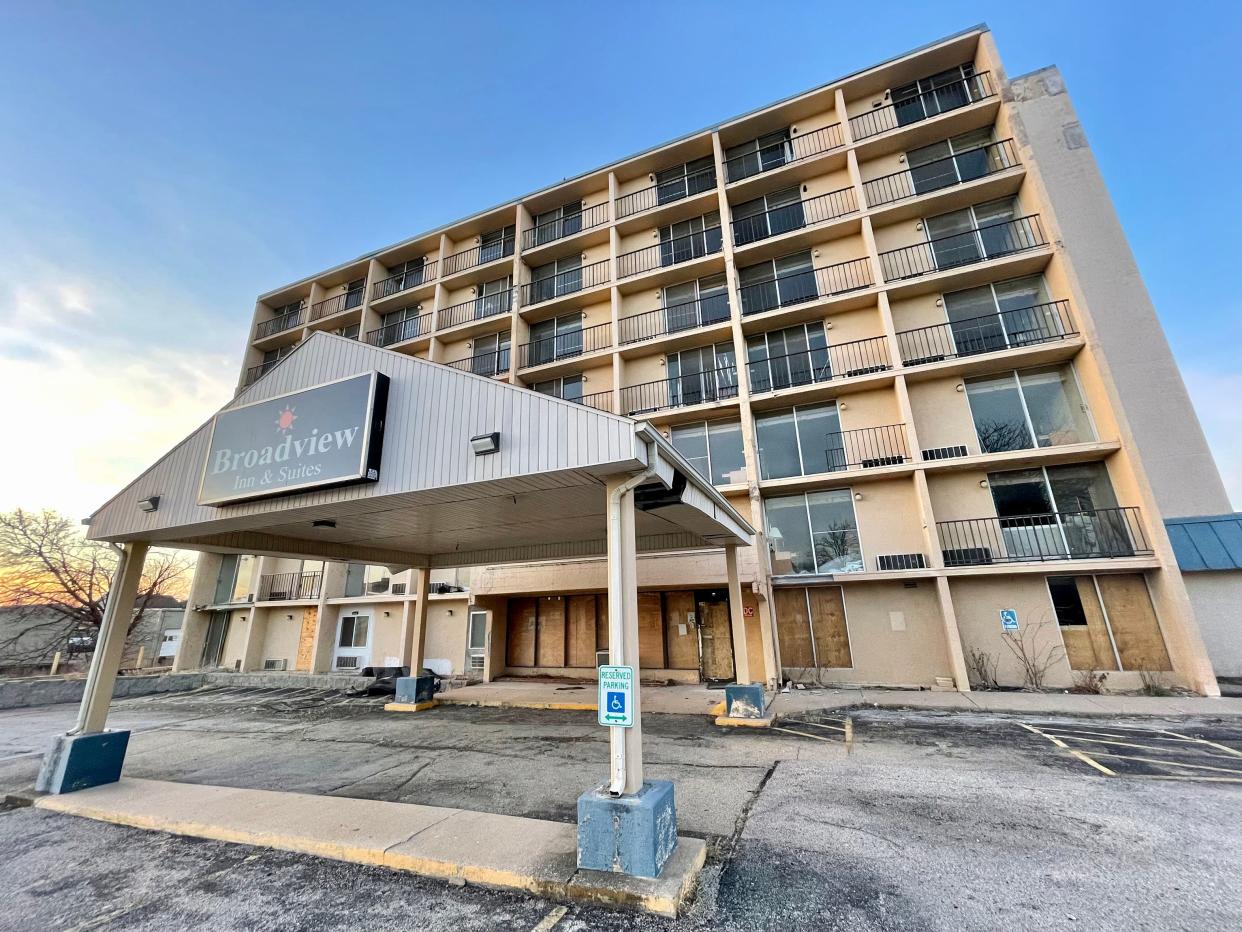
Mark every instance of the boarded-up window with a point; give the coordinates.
(550, 642)
(1106, 618)
(680, 634)
(1133, 621)
(581, 631)
(811, 626)
(650, 631)
(521, 631)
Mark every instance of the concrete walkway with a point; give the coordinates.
(700, 700)
(497, 851)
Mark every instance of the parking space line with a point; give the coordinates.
(1222, 747)
(795, 721)
(1143, 747)
(1076, 753)
(802, 734)
(1171, 763)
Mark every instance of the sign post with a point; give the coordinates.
(616, 696)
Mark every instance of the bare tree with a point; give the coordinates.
(1036, 661)
(981, 668)
(55, 582)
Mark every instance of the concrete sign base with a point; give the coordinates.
(627, 834)
(77, 762)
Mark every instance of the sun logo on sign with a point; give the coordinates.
(284, 423)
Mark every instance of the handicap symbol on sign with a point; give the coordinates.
(616, 702)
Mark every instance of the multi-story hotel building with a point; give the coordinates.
(893, 319)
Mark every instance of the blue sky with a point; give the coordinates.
(164, 163)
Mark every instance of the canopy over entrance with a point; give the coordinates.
(432, 500)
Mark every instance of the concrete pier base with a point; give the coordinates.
(633, 834)
(78, 762)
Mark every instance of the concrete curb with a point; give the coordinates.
(489, 850)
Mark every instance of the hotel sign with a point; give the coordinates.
(327, 435)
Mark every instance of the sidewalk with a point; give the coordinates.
(700, 700)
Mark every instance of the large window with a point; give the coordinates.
(814, 533)
(758, 155)
(951, 161)
(1031, 408)
(493, 298)
(354, 630)
(1059, 512)
(690, 239)
(714, 448)
(1002, 315)
(778, 212)
(564, 276)
(777, 283)
(800, 441)
(496, 244)
(696, 303)
(491, 354)
(553, 224)
(680, 181)
(706, 373)
(973, 233)
(555, 339)
(796, 355)
(233, 581)
(568, 387)
(941, 92)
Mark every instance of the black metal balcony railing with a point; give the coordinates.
(479, 308)
(942, 173)
(809, 285)
(796, 216)
(924, 106)
(400, 331)
(949, 252)
(494, 363)
(281, 587)
(267, 328)
(1105, 533)
(553, 230)
(867, 448)
(404, 281)
(564, 345)
(794, 149)
(1008, 329)
(674, 318)
(666, 192)
(811, 366)
(336, 304)
(669, 252)
(600, 401)
(567, 282)
(680, 392)
(479, 255)
(254, 373)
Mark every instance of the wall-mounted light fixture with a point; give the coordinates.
(149, 504)
(289, 617)
(959, 387)
(386, 614)
(450, 612)
(843, 406)
(919, 227)
(858, 496)
(983, 483)
(484, 444)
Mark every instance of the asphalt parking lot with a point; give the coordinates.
(870, 820)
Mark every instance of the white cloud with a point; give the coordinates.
(1218, 400)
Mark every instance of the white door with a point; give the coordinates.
(353, 642)
(478, 640)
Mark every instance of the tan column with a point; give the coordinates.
(256, 633)
(952, 636)
(414, 624)
(110, 640)
(741, 659)
(625, 744)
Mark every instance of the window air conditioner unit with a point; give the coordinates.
(275, 665)
(900, 561)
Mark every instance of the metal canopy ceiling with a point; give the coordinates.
(436, 503)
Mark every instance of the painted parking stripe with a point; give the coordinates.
(1073, 751)
(1172, 763)
(1161, 748)
(802, 734)
(1222, 747)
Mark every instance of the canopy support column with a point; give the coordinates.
(89, 756)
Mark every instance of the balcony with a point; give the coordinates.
(494, 363)
(789, 217)
(410, 278)
(809, 285)
(1102, 534)
(564, 346)
(568, 282)
(920, 107)
(669, 252)
(782, 153)
(254, 373)
(680, 392)
(562, 227)
(479, 308)
(479, 255)
(401, 331)
(813, 366)
(1009, 329)
(284, 587)
(867, 448)
(336, 304)
(942, 173)
(267, 328)
(966, 248)
(667, 192)
(600, 401)
(675, 318)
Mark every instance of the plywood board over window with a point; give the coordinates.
(650, 631)
(793, 627)
(681, 635)
(1136, 631)
(832, 640)
(601, 621)
(811, 626)
(306, 640)
(550, 640)
(521, 633)
(582, 631)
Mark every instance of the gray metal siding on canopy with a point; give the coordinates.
(540, 496)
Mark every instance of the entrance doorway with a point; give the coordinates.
(715, 636)
(213, 645)
(353, 642)
(476, 643)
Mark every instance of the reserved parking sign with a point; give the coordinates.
(616, 696)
